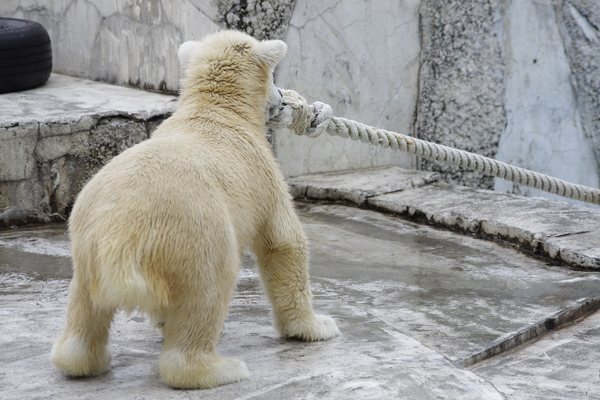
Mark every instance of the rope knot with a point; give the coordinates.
(296, 115)
(323, 114)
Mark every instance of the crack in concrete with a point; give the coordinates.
(569, 234)
(318, 16)
(542, 327)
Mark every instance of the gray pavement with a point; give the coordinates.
(411, 301)
(563, 365)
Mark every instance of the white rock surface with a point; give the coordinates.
(55, 137)
(65, 104)
(544, 131)
(362, 58)
(358, 186)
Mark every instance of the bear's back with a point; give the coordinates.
(183, 173)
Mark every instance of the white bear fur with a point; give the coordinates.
(162, 226)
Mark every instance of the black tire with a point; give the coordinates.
(25, 55)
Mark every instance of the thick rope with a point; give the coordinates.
(312, 120)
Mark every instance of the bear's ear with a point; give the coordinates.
(186, 51)
(271, 52)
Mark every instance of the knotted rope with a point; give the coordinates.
(312, 120)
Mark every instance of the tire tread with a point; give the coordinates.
(25, 55)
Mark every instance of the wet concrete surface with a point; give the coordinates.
(454, 293)
(562, 365)
(409, 299)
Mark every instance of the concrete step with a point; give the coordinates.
(55, 137)
(558, 231)
(360, 185)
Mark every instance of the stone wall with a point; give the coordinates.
(134, 42)
(461, 82)
(55, 138)
(546, 103)
(58, 161)
(263, 19)
(579, 22)
(130, 42)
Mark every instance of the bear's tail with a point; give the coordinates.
(120, 280)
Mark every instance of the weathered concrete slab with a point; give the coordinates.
(565, 232)
(66, 100)
(458, 295)
(409, 299)
(370, 360)
(561, 365)
(357, 186)
(55, 137)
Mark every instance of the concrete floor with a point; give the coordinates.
(411, 301)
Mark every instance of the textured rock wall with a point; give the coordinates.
(518, 80)
(54, 138)
(263, 19)
(50, 162)
(461, 82)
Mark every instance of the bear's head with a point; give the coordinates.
(235, 68)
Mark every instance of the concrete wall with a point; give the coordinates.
(129, 42)
(134, 42)
(362, 58)
(518, 80)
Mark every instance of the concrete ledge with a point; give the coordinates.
(359, 185)
(54, 138)
(564, 232)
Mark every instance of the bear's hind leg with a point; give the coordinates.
(282, 251)
(81, 350)
(192, 327)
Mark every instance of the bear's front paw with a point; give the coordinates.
(318, 327)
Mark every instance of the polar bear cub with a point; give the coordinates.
(162, 226)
